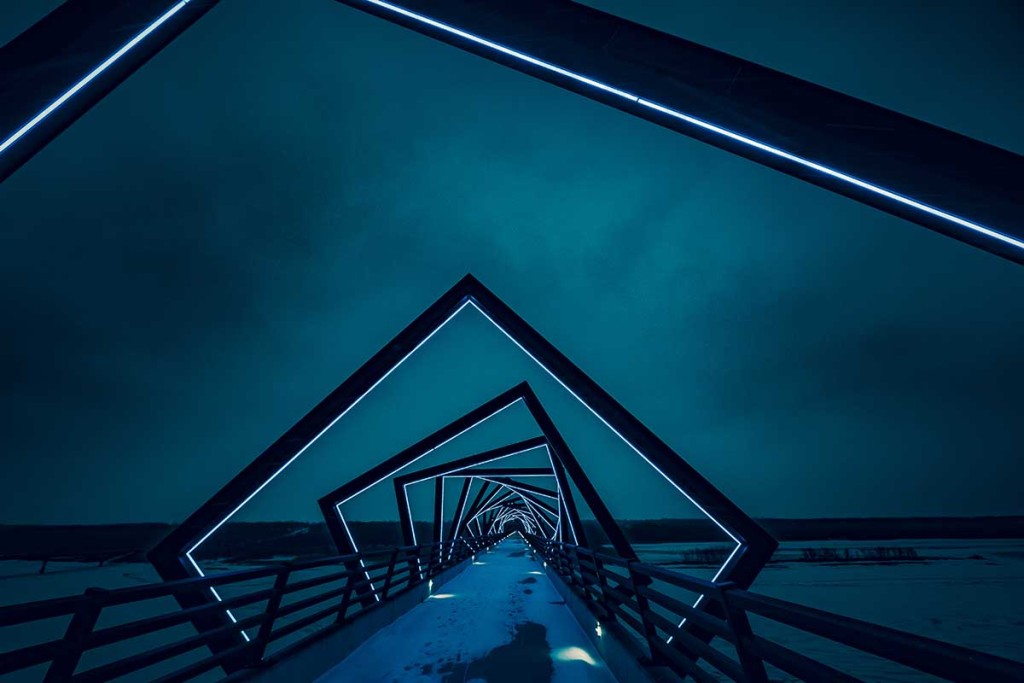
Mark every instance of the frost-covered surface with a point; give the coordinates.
(482, 625)
(967, 592)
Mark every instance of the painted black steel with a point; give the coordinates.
(169, 557)
(49, 58)
(945, 170)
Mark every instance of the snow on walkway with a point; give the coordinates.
(500, 620)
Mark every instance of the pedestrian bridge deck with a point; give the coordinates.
(499, 620)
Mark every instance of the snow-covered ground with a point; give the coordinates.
(499, 620)
(966, 592)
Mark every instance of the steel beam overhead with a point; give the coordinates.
(942, 180)
(69, 60)
(56, 70)
(173, 556)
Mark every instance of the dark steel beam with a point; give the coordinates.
(471, 461)
(536, 490)
(460, 509)
(438, 508)
(45, 82)
(172, 556)
(947, 182)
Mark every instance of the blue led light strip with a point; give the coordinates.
(705, 125)
(92, 75)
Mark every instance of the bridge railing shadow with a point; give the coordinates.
(650, 604)
(141, 633)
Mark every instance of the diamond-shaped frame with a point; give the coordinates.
(172, 557)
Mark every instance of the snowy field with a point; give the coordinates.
(966, 592)
(970, 593)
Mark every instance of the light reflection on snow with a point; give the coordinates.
(573, 654)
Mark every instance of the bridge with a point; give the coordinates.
(511, 584)
(514, 585)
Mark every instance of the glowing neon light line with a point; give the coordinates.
(519, 488)
(332, 423)
(188, 553)
(558, 484)
(538, 513)
(482, 462)
(91, 76)
(598, 416)
(216, 595)
(705, 125)
(425, 454)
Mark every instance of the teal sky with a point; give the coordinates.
(218, 244)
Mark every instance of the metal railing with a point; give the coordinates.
(288, 604)
(656, 607)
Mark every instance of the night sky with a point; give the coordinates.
(218, 244)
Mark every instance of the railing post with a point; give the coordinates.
(259, 645)
(414, 565)
(602, 584)
(752, 665)
(346, 598)
(63, 666)
(575, 567)
(640, 582)
(390, 575)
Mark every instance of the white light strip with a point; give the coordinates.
(478, 464)
(538, 512)
(520, 488)
(739, 543)
(443, 474)
(459, 469)
(839, 175)
(536, 515)
(496, 503)
(558, 484)
(710, 127)
(91, 76)
(605, 422)
(324, 430)
(502, 49)
(216, 595)
(532, 506)
(188, 553)
(426, 453)
(348, 532)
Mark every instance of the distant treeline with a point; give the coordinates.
(834, 529)
(264, 540)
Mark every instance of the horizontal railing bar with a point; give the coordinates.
(156, 655)
(792, 662)
(306, 603)
(686, 581)
(945, 660)
(197, 668)
(140, 627)
(15, 660)
(630, 620)
(13, 615)
(432, 559)
(695, 645)
(314, 581)
(680, 661)
(701, 618)
(299, 624)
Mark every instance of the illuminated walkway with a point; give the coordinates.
(499, 620)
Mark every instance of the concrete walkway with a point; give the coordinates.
(499, 621)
